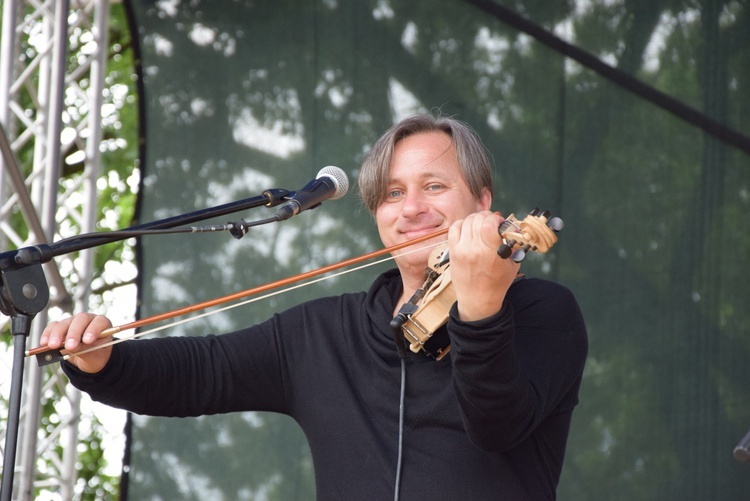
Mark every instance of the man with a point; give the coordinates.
(489, 421)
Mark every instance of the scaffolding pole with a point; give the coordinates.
(36, 77)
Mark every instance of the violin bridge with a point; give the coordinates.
(415, 337)
(435, 344)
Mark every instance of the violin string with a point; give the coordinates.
(130, 337)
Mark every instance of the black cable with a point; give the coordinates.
(400, 429)
(237, 228)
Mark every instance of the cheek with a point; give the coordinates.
(382, 222)
(385, 214)
(379, 217)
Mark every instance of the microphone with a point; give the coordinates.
(331, 182)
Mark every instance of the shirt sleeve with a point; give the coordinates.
(520, 367)
(191, 376)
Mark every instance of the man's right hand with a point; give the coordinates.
(78, 333)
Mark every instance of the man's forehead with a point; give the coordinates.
(421, 174)
(423, 149)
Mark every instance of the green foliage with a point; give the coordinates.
(648, 199)
(117, 192)
(656, 244)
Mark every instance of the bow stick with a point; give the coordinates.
(46, 358)
(46, 355)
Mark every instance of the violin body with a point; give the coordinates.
(420, 327)
(427, 311)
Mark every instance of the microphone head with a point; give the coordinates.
(338, 176)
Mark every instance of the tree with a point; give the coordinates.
(647, 197)
(117, 191)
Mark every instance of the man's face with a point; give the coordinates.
(426, 193)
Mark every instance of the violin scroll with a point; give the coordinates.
(536, 232)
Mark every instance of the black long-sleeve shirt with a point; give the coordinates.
(489, 421)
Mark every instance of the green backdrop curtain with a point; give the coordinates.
(241, 96)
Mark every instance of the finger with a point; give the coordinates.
(44, 339)
(482, 227)
(454, 232)
(77, 327)
(92, 332)
(490, 226)
(56, 332)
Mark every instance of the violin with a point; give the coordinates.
(419, 320)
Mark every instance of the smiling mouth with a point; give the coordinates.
(414, 233)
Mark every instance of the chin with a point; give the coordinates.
(414, 260)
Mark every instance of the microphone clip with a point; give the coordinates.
(239, 228)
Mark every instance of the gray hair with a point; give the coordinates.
(473, 159)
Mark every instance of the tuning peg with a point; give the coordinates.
(505, 250)
(519, 255)
(556, 224)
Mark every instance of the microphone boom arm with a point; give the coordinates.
(24, 292)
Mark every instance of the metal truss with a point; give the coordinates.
(52, 60)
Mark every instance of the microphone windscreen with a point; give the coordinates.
(339, 179)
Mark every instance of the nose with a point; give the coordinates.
(414, 203)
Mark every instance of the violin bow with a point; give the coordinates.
(46, 355)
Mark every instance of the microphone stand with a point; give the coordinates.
(24, 292)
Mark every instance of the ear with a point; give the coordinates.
(485, 201)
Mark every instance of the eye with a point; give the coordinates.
(435, 187)
(394, 193)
